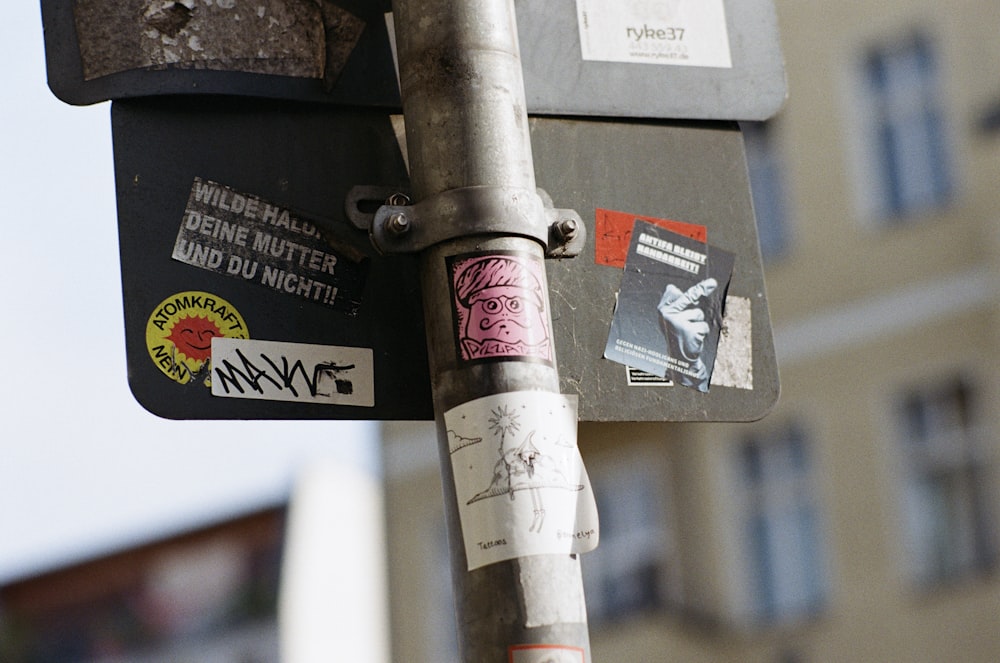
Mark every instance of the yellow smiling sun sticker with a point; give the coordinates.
(180, 330)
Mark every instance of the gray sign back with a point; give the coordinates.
(689, 172)
(558, 80)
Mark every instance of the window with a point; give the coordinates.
(630, 573)
(948, 533)
(767, 187)
(905, 129)
(782, 546)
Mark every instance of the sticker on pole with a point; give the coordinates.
(500, 307)
(520, 481)
(293, 372)
(180, 330)
(673, 32)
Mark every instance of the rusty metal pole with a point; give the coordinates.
(471, 170)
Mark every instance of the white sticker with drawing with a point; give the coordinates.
(299, 372)
(521, 485)
(689, 33)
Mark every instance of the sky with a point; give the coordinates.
(84, 470)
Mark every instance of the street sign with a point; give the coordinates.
(682, 59)
(694, 174)
(233, 225)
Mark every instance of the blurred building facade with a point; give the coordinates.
(297, 582)
(208, 595)
(859, 521)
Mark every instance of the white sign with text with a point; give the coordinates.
(688, 33)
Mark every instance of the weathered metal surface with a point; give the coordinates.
(407, 228)
(284, 37)
(306, 50)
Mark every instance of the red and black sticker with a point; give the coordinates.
(613, 232)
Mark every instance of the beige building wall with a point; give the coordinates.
(864, 313)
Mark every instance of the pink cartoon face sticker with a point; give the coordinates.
(500, 307)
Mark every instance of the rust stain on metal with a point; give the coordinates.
(343, 30)
(168, 18)
(300, 38)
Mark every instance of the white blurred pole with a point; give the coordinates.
(333, 604)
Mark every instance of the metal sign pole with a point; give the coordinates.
(474, 189)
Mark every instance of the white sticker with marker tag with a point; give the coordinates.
(298, 372)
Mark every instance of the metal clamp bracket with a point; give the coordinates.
(476, 210)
